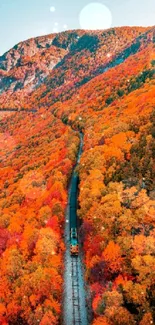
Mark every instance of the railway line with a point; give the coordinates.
(74, 306)
(75, 292)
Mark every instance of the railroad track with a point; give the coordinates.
(75, 291)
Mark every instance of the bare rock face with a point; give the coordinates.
(27, 48)
(28, 63)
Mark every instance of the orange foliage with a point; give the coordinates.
(112, 257)
(113, 105)
(32, 204)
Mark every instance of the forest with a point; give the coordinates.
(113, 105)
(38, 153)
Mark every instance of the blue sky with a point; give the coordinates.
(22, 19)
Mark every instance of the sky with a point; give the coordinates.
(23, 19)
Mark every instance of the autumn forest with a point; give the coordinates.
(100, 83)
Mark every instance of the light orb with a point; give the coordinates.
(95, 16)
(52, 8)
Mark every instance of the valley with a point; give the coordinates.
(100, 83)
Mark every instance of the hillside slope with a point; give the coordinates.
(61, 63)
(104, 85)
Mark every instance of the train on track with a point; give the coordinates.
(74, 245)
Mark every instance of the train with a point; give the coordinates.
(74, 245)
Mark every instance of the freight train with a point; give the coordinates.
(74, 247)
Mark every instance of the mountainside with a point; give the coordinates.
(103, 84)
(62, 62)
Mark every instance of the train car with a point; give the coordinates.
(74, 185)
(74, 247)
(73, 201)
(73, 218)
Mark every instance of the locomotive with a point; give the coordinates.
(74, 247)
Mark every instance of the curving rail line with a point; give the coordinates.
(75, 310)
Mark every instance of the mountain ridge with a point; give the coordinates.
(36, 68)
